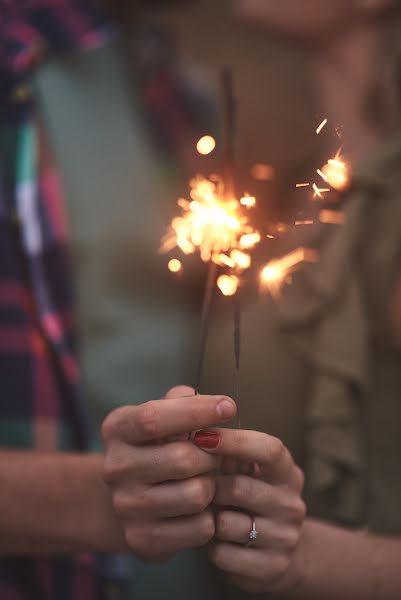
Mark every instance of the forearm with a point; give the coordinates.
(333, 563)
(55, 503)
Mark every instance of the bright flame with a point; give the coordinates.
(174, 265)
(275, 273)
(212, 224)
(336, 173)
(228, 284)
(206, 145)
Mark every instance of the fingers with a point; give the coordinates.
(155, 464)
(248, 562)
(165, 501)
(152, 541)
(235, 527)
(162, 418)
(258, 497)
(274, 459)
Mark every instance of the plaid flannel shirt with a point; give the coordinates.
(40, 403)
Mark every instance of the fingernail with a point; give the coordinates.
(226, 409)
(206, 439)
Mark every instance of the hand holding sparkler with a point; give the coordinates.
(162, 490)
(258, 552)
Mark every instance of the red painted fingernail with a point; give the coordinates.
(206, 439)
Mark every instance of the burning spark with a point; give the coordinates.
(262, 172)
(305, 222)
(249, 240)
(248, 201)
(321, 126)
(228, 284)
(174, 265)
(213, 225)
(300, 185)
(276, 272)
(206, 145)
(318, 192)
(336, 173)
(333, 217)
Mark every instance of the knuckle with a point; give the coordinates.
(185, 461)
(219, 557)
(223, 524)
(206, 527)
(112, 471)
(275, 449)
(147, 420)
(296, 510)
(112, 423)
(240, 488)
(199, 493)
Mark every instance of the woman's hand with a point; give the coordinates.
(270, 497)
(162, 489)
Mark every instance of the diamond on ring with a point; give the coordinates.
(253, 534)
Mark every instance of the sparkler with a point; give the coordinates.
(216, 224)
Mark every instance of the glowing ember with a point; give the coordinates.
(318, 192)
(333, 217)
(321, 126)
(228, 284)
(336, 173)
(212, 224)
(276, 272)
(248, 201)
(299, 185)
(304, 222)
(262, 172)
(174, 265)
(206, 145)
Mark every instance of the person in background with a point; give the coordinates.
(56, 510)
(337, 331)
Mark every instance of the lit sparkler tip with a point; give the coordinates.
(206, 145)
(321, 126)
(228, 284)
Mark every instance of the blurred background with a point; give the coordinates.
(124, 120)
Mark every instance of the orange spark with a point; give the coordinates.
(321, 126)
(206, 145)
(276, 272)
(318, 192)
(228, 284)
(174, 265)
(336, 173)
(248, 201)
(300, 185)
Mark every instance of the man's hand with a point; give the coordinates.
(162, 489)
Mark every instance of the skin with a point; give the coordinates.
(162, 486)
